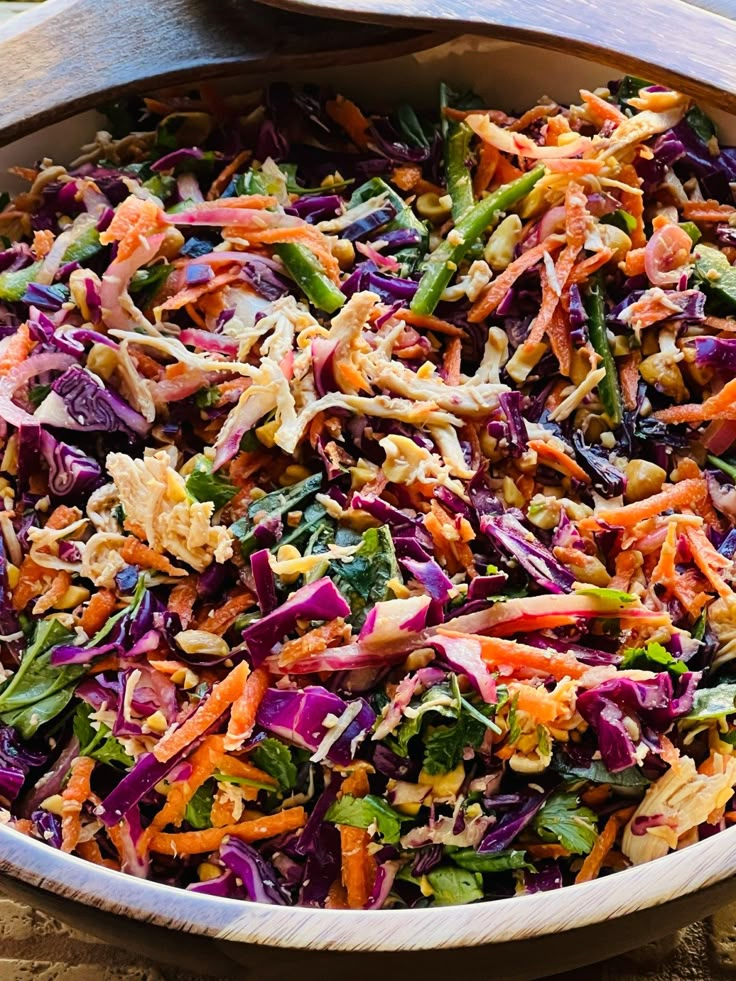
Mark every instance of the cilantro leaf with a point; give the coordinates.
(100, 743)
(362, 812)
(653, 657)
(364, 581)
(203, 485)
(274, 758)
(277, 504)
(199, 807)
(562, 819)
(453, 886)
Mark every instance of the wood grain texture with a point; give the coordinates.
(690, 45)
(69, 55)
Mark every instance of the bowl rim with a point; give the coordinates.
(631, 890)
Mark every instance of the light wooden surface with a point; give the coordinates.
(691, 45)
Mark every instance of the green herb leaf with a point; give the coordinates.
(276, 504)
(703, 125)
(100, 744)
(203, 485)
(712, 703)
(653, 657)
(147, 283)
(470, 859)
(453, 886)
(364, 581)
(38, 691)
(597, 772)
(199, 808)
(629, 88)
(362, 812)
(562, 819)
(274, 758)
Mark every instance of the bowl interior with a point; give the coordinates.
(509, 76)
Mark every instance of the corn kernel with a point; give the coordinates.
(266, 432)
(157, 722)
(53, 804)
(293, 474)
(201, 642)
(72, 597)
(207, 871)
(102, 360)
(13, 573)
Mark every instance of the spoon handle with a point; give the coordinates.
(69, 55)
(690, 45)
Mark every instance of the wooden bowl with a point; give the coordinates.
(523, 937)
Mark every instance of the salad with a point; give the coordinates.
(368, 525)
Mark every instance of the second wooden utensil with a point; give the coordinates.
(690, 45)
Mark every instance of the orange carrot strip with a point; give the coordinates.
(505, 172)
(497, 290)
(133, 222)
(234, 767)
(634, 204)
(708, 560)
(109, 663)
(182, 599)
(337, 897)
(30, 583)
(136, 553)
(688, 494)
(203, 762)
(223, 178)
(596, 796)
(537, 702)
(556, 126)
(90, 852)
(634, 262)
(664, 571)
(428, 322)
(488, 160)
(307, 235)
(707, 211)
(74, 796)
(406, 177)
(720, 405)
(629, 375)
(243, 712)
(198, 842)
(98, 611)
(61, 517)
(508, 653)
(59, 585)
(358, 868)
(586, 267)
(601, 110)
(605, 841)
(574, 166)
(557, 458)
(193, 293)
(451, 362)
(222, 696)
(17, 349)
(349, 117)
(547, 851)
(219, 620)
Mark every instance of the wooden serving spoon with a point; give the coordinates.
(70, 55)
(690, 44)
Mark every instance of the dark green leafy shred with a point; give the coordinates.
(99, 743)
(364, 581)
(473, 861)
(199, 809)
(274, 757)
(562, 819)
(653, 657)
(452, 886)
(364, 812)
(203, 485)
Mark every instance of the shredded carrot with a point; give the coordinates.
(505, 172)
(584, 269)
(307, 235)
(90, 852)
(349, 117)
(182, 599)
(234, 767)
(428, 322)
(707, 211)
(62, 516)
(243, 712)
(600, 109)
(406, 177)
(501, 652)
(222, 812)
(208, 840)
(633, 203)
(497, 290)
(109, 663)
(337, 898)
(16, 349)
(720, 405)
(98, 611)
(222, 696)
(488, 160)
(554, 457)
(537, 702)
(48, 599)
(688, 494)
(451, 362)
(30, 583)
(74, 796)
(358, 867)
(596, 796)
(574, 167)
(223, 178)
(708, 560)
(136, 553)
(133, 222)
(689, 588)
(43, 239)
(219, 620)
(556, 126)
(191, 294)
(634, 262)
(313, 642)
(664, 571)
(629, 375)
(605, 841)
